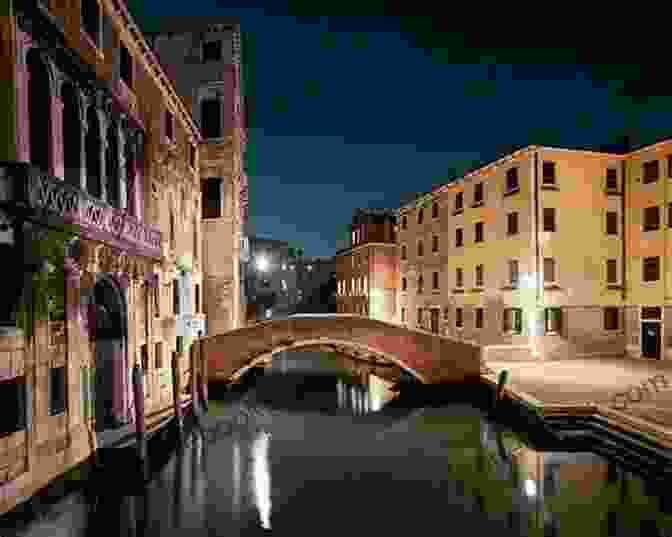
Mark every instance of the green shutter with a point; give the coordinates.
(518, 319)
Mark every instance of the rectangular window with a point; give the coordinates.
(176, 297)
(548, 173)
(421, 250)
(459, 320)
(612, 223)
(212, 197)
(435, 210)
(651, 218)
(421, 284)
(612, 271)
(421, 214)
(57, 390)
(459, 281)
(403, 252)
(513, 272)
(13, 404)
(459, 238)
(479, 275)
(435, 280)
(420, 317)
(611, 318)
(158, 355)
(197, 298)
(479, 318)
(512, 180)
(549, 270)
(404, 222)
(179, 347)
(192, 156)
(553, 320)
(651, 269)
(612, 179)
(435, 243)
(212, 51)
(478, 193)
(403, 315)
(549, 219)
(479, 232)
(170, 125)
(651, 171)
(144, 357)
(512, 223)
(126, 66)
(211, 118)
(459, 201)
(513, 320)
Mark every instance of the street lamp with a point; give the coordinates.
(262, 263)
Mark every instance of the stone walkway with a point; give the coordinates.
(589, 386)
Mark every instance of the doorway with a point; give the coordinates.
(651, 339)
(110, 354)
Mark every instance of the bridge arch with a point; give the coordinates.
(430, 358)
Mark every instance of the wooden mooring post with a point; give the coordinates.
(176, 393)
(139, 396)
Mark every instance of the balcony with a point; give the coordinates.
(28, 193)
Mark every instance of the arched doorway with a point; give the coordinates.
(110, 354)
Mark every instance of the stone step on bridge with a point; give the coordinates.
(430, 358)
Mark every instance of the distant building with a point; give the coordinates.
(270, 279)
(315, 285)
(367, 271)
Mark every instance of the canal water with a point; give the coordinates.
(317, 445)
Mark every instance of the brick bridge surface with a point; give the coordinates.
(431, 358)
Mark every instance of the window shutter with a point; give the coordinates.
(518, 320)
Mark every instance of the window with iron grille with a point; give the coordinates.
(549, 219)
(612, 179)
(548, 173)
(459, 238)
(612, 271)
(612, 223)
(435, 280)
(611, 318)
(651, 218)
(553, 320)
(459, 281)
(479, 232)
(651, 269)
(478, 321)
(459, 320)
(435, 243)
(479, 275)
(549, 270)
(478, 193)
(57, 390)
(512, 180)
(651, 171)
(512, 223)
(435, 210)
(513, 272)
(513, 320)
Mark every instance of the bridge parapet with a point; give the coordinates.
(429, 357)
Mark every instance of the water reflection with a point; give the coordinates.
(439, 467)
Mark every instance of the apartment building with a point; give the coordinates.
(100, 205)
(522, 256)
(203, 57)
(367, 270)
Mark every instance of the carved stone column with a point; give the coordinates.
(82, 142)
(57, 166)
(22, 120)
(123, 175)
(104, 124)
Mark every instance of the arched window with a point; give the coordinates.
(93, 168)
(112, 165)
(72, 140)
(39, 110)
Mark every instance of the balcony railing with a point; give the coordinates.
(29, 193)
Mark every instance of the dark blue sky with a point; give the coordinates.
(356, 111)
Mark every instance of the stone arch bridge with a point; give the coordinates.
(430, 358)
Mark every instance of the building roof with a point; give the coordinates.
(176, 25)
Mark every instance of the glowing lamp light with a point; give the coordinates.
(262, 264)
(530, 488)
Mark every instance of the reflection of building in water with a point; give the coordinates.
(369, 396)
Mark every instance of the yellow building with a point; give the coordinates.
(522, 256)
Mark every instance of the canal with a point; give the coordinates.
(317, 444)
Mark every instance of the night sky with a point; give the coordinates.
(358, 109)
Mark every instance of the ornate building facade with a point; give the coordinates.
(100, 226)
(203, 57)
